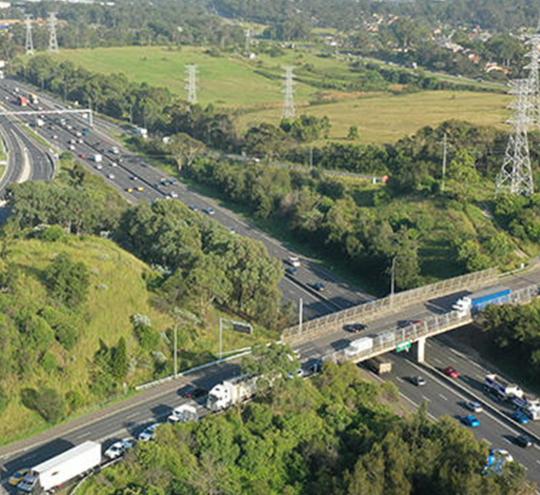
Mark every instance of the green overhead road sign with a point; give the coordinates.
(404, 346)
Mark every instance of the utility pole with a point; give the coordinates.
(289, 110)
(176, 350)
(515, 176)
(53, 41)
(247, 46)
(393, 277)
(191, 84)
(220, 338)
(29, 44)
(300, 315)
(445, 154)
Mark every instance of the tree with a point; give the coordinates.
(270, 363)
(463, 177)
(68, 281)
(119, 360)
(353, 134)
(185, 150)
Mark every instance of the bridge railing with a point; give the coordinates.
(335, 321)
(392, 339)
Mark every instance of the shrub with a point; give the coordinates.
(47, 402)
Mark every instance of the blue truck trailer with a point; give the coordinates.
(499, 297)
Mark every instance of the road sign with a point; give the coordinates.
(404, 346)
(242, 327)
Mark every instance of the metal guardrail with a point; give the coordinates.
(390, 339)
(336, 320)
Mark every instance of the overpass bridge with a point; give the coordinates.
(407, 318)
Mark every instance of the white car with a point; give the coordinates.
(115, 150)
(183, 414)
(114, 164)
(72, 147)
(111, 176)
(294, 261)
(119, 448)
(99, 166)
(173, 194)
(149, 433)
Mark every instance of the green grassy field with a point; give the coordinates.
(254, 89)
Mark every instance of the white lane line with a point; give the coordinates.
(399, 379)
(537, 461)
(132, 415)
(507, 441)
(460, 354)
(427, 399)
(443, 397)
(474, 363)
(461, 396)
(437, 360)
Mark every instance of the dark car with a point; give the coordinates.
(319, 286)
(418, 381)
(355, 327)
(524, 441)
(291, 270)
(192, 392)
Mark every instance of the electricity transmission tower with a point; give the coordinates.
(534, 81)
(29, 44)
(191, 84)
(289, 110)
(53, 41)
(515, 176)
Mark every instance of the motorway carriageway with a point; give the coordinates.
(339, 295)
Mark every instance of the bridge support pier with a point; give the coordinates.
(421, 350)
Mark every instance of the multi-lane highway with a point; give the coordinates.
(126, 170)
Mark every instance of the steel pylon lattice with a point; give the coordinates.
(191, 84)
(53, 40)
(533, 67)
(515, 176)
(289, 109)
(29, 43)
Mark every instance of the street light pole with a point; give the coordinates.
(176, 350)
(300, 315)
(220, 338)
(393, 277)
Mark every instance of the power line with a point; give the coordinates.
(29, 44)
(191, 84)
(515, 176)
(533, 67)
(53, 41)
(289, 110)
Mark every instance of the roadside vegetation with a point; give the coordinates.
(84, 320)
(330, 434)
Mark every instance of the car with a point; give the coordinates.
(319, 286)
(99, 166)
(193, 208)
(18, 476)
(192, 392)
(173, 194)
(80, 141)
(418, 380)
(520, 417)
(502, 453)
(294, 261)
(149, 433)
(114, 164)
(129, 189)
(133, 177)
(184, 414)
(523, 441)
(471, 420)
(140, 188)
(115, 150)
(71, 147)
(473, 406)
(355, 327)
(416, 322)
(451, 372)
(110, 176)
(291, 270)
(209, 211)
(119, 448)
(55, 136)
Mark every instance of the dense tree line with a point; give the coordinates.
(328, 435)
(515, 332)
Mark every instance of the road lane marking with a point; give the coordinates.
(399, 379)
(460, 354)
(443, 397)
(437, 360)
(426, 398)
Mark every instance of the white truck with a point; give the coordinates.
(358, 346)
(62, 468)
(40, 122)
(183, 414)
(98, 158)
(502, 389)
(230, 392)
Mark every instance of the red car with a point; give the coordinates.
(451, 372)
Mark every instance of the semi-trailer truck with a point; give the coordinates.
(379, 365)
(62, 468)
(468, 304)
(502, 389)
(529, 405)
(231, 392)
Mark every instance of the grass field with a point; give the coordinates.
(254, 89)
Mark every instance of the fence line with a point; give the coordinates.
(333, 321)
(391, 339)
